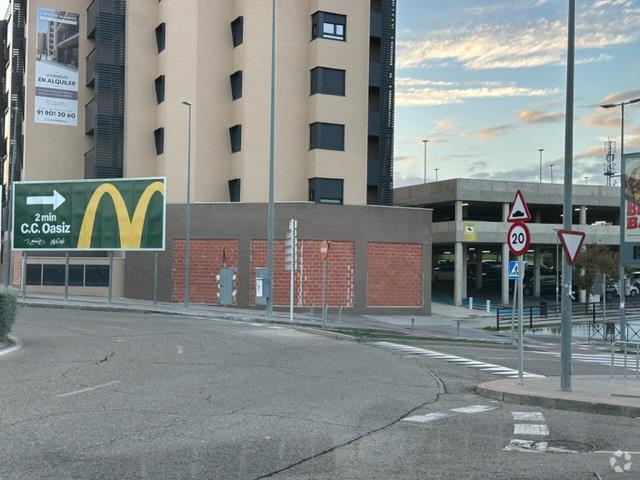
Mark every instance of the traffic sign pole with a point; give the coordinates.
(520, 322)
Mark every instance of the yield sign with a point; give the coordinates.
(519, 211)
(571, 243)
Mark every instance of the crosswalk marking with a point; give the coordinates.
(530, 429)
(429, 417)
(491, 368)
(473, 409)
(528, 416)
(432, 417)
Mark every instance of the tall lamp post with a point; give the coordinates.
(425, 159)
(622, 288)
(272, 140)
(187, 215)
(551, 165)
(540, 150)
(436, 170)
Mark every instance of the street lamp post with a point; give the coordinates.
(425, 159)
(272, 141)
(436, 170)
(540, 150)
(551, 168)
(187, 215)
(622, 288)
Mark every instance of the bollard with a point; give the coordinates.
(470, 303)
(530, 317)
(498, 320)
(340, 315)
(311, 312)
(413, 324)
(458, 326)
(488, 306)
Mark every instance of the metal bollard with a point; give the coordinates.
(488, 306)
(340, 316)
(458, 326)
(413, 324)
(311, 312)
(470, 303)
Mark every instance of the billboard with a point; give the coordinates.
(119, 214)
(630, 242)
(56, 93)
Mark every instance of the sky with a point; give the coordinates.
(485, 83)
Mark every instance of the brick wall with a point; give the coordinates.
(308, 275)
(394, 275)
(205, 261)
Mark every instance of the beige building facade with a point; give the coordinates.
(129, 66)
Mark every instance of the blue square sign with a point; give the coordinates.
(513, 270)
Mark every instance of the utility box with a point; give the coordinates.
(262, 286)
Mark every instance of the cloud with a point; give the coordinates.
(532, 44)
(618, 97)
(537, 116)
(490, 133)
(412, 92)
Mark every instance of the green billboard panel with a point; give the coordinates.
(105, 214)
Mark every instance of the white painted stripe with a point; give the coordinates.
(497, 369)
(606, 452)
(473, 409)
(510, 372)
(87, 389)
(429, 417)
(11, 349)
(180, 350)
(528, 416)
(530, 429)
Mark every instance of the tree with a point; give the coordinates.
(592, 262)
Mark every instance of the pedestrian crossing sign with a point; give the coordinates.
(513, 270)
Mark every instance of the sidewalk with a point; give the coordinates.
(600, 394)
(446, 322)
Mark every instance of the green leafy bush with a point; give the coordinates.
(7, 310)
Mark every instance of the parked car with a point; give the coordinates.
(612, 289)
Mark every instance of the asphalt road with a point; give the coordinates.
(96, 395)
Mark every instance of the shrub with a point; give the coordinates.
(7, 310)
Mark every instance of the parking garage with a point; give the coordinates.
(469, 233)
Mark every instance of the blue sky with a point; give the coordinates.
(484, 81)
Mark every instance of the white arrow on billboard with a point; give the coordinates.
(55, 200)
(571, 243)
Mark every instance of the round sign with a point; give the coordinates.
(518, 238)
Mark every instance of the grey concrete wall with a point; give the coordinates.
(246, 222)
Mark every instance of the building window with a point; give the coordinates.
(34, 274)
(329, 81)
(234, 190)
(96, 276)
(237, 31)
(236, 85)
(328, 25)
(160, 89)
(159, 137)
(235, 135)
(327, 136)
(326, 190)
(160, 37)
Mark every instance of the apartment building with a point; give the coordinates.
(99, 89)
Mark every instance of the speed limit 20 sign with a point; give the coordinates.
(518, 238)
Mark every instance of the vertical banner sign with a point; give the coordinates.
(119, 214)
(631, 204)
(56, 98)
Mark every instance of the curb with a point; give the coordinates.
(14, 345)
(558, 403)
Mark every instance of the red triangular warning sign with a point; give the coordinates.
(571, 242)
(519, 211)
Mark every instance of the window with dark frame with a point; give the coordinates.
(234, 190)
(158, 134)
(326, 136)
(235, 136)
(236, 85)
(237, 31)
(332, 26)
(96, 276)
(161, 37)
(159, 83)
(326, 190)
(328, 81)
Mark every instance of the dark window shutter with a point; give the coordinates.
(237, 31)
(234, 190)
(160, 89)
(235, 135)
(329, 81)
(236, 85)
(159, 138)
(327, 136)
(160, 36)
(326, 190)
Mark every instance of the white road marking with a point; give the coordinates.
(530, 429)
(409, 350)
(429, 417)
(180, 350)
(527, 416)
(473, 409)
(11, 349)
(606, 452)
(87, 389)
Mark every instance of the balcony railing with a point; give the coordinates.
(91, 68)
(92, 19)
(90, 167)
(90, 114)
